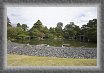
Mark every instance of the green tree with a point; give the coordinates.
(38, 25)
(8, 23)
(19, 30)
(11, 32)
(90, 30)
(69, 30)
(25, 27)
(52, 33)
(58, 29)
(19, 25)
(38, 30)
(59, 25)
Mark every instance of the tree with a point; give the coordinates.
(69, 30)
(76, 32)
(19, 25)
(52, 33)
(38, 25)
(46, 29)
(52, 30)
(38, 22)
(90, 30)
(8, 23)
(19, 30)
(58, 29)
(38, 30)
(11, 32)
(60, 25)
(24, 27)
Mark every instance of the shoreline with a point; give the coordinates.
(51, 51)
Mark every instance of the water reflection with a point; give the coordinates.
(56, 42)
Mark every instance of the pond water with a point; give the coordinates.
(56, 43)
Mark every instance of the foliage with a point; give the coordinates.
(24, 27)
(70, 30)
(88, 32)
(11, 32)
(58, 30)
(38, 30)
(19, 25)
(8, 23)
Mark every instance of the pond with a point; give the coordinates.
(56, 43)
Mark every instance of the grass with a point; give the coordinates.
(23, 60)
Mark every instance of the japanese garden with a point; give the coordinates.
(70, 42)
(52, 36)
(40, 34)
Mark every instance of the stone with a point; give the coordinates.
(51, 51)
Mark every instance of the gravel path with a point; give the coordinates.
(40, 50)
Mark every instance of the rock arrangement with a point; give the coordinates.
(51, 51)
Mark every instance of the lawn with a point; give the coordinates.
(23, 60)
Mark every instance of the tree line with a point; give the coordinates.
(87, 33)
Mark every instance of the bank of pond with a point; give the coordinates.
(56, 42)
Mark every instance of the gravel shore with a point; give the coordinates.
(51, 51)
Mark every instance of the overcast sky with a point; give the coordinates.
(50, 16)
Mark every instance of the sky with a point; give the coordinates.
(50, 16)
